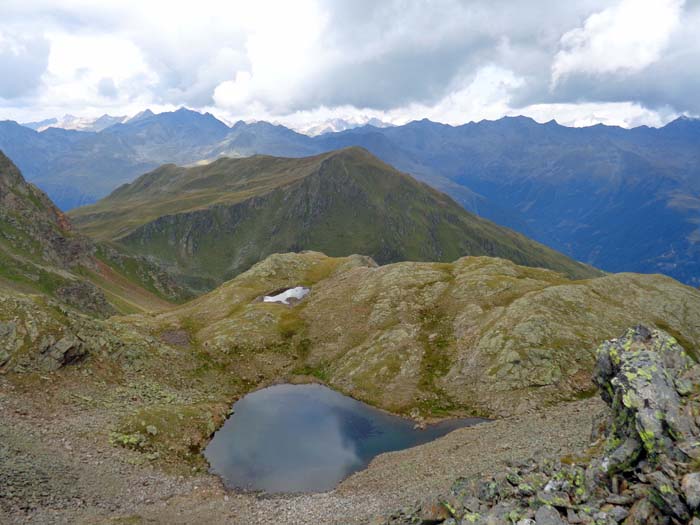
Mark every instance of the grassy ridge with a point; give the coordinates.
(212, 222)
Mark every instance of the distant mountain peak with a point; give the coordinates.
(337, 124)
(73, 123)
(146, 113)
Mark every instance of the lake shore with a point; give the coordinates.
(54, 468)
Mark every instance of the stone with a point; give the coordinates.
(690, 485)
(665, 496)
(65, 351)
(617, 513)
(433, 511)
(572, 516)
(555, 499)
(546, 515)
(636, 375)
(641, 513)
(489, 491)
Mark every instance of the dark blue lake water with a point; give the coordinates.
(307, 438)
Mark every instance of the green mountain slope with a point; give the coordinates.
(41, 252)
(212, 222)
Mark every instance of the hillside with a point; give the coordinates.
(41, 252)
(212, 222)
(130, 402)
(480, 335)
(618, 199)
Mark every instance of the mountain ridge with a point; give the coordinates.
(620, 199)
(219, 219)
(41, 252)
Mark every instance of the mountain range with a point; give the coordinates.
(211, 222)
(71, 122)
(619, 199)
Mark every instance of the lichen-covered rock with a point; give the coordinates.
(38, 334)
(479, 335)
(690, 484)
(638, 472)
(547, 515)
(636, 374)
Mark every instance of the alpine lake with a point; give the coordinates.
(307, 438)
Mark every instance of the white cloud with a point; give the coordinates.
(312, 60)
(486, 96)
(23, 59)
(623, 114)
(625, 38)
(83, 69)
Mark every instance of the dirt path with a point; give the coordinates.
(55, 467)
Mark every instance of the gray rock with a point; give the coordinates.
(546, 515)
(636, 376)
(690, 485)
(665, 496)
(65, 351)
(617, 513)
(641, 513)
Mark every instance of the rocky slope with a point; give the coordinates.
(41, 252)
(644, 469)
(212, 222)
(480, 335)
(142, 394)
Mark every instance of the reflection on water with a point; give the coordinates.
(306, 438)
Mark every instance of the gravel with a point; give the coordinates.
(56, 466)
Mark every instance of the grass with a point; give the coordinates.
(230, 214)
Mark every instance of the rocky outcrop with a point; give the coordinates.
(38, 334)
(644, 469)
(65, 351)
(480, 335)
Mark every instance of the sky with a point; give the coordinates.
(582, 62)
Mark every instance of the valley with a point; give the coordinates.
(125, 375)
(349, 262)
(617, 199)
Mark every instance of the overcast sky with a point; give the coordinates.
(627, 62)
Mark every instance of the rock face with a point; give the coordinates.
(38, 334)
(644, 470)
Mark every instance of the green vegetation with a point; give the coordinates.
(212, 222)
(40, 253)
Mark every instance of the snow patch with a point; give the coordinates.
(297, 293)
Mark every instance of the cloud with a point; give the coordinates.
(106, 87)
(23, 60)
(625, 38)
(632, 60)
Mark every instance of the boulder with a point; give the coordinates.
(65, 351)
(640, 469)
(690, 485)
